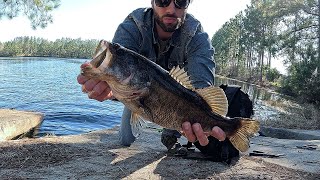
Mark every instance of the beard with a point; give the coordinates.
(169, 27)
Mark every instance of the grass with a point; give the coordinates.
(293, 116)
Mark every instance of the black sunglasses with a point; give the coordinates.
(180, 4)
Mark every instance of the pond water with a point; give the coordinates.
(261, 98)
(255, 92)
(49, 86)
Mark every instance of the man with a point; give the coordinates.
(169, 36)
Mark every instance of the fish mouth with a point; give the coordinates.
(102, 54)
(101, 60)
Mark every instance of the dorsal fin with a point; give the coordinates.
(181, 76)
(216, 98)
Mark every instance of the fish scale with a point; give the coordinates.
(165, 98)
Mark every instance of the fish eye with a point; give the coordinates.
(116, 46)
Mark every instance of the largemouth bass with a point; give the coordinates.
(165, 98)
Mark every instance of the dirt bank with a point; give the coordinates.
(98, 155)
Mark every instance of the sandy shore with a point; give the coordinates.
(98, 155)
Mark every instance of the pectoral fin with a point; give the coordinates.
(137, 124)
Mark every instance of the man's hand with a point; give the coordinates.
(98, 90)
(195, 132)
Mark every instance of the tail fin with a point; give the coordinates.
(240, 139)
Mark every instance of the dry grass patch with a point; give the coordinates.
(38, 155)
(293, 116)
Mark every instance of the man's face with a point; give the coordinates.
(169, 18)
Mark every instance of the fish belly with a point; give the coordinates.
(170, 110)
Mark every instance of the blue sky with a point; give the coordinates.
(98, 19)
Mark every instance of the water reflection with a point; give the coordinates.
(262, 98)
(274, 109)
(254, 91)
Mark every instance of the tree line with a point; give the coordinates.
(33, 46)
(273, 29)
(245, 45)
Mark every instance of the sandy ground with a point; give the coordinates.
(98, 155)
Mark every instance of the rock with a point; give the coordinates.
(14, 123)
(295, 154)
(282, 133)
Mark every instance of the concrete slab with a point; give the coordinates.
(282, 133)
(297, 154)
(14, 123)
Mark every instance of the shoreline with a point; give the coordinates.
(98, 155)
